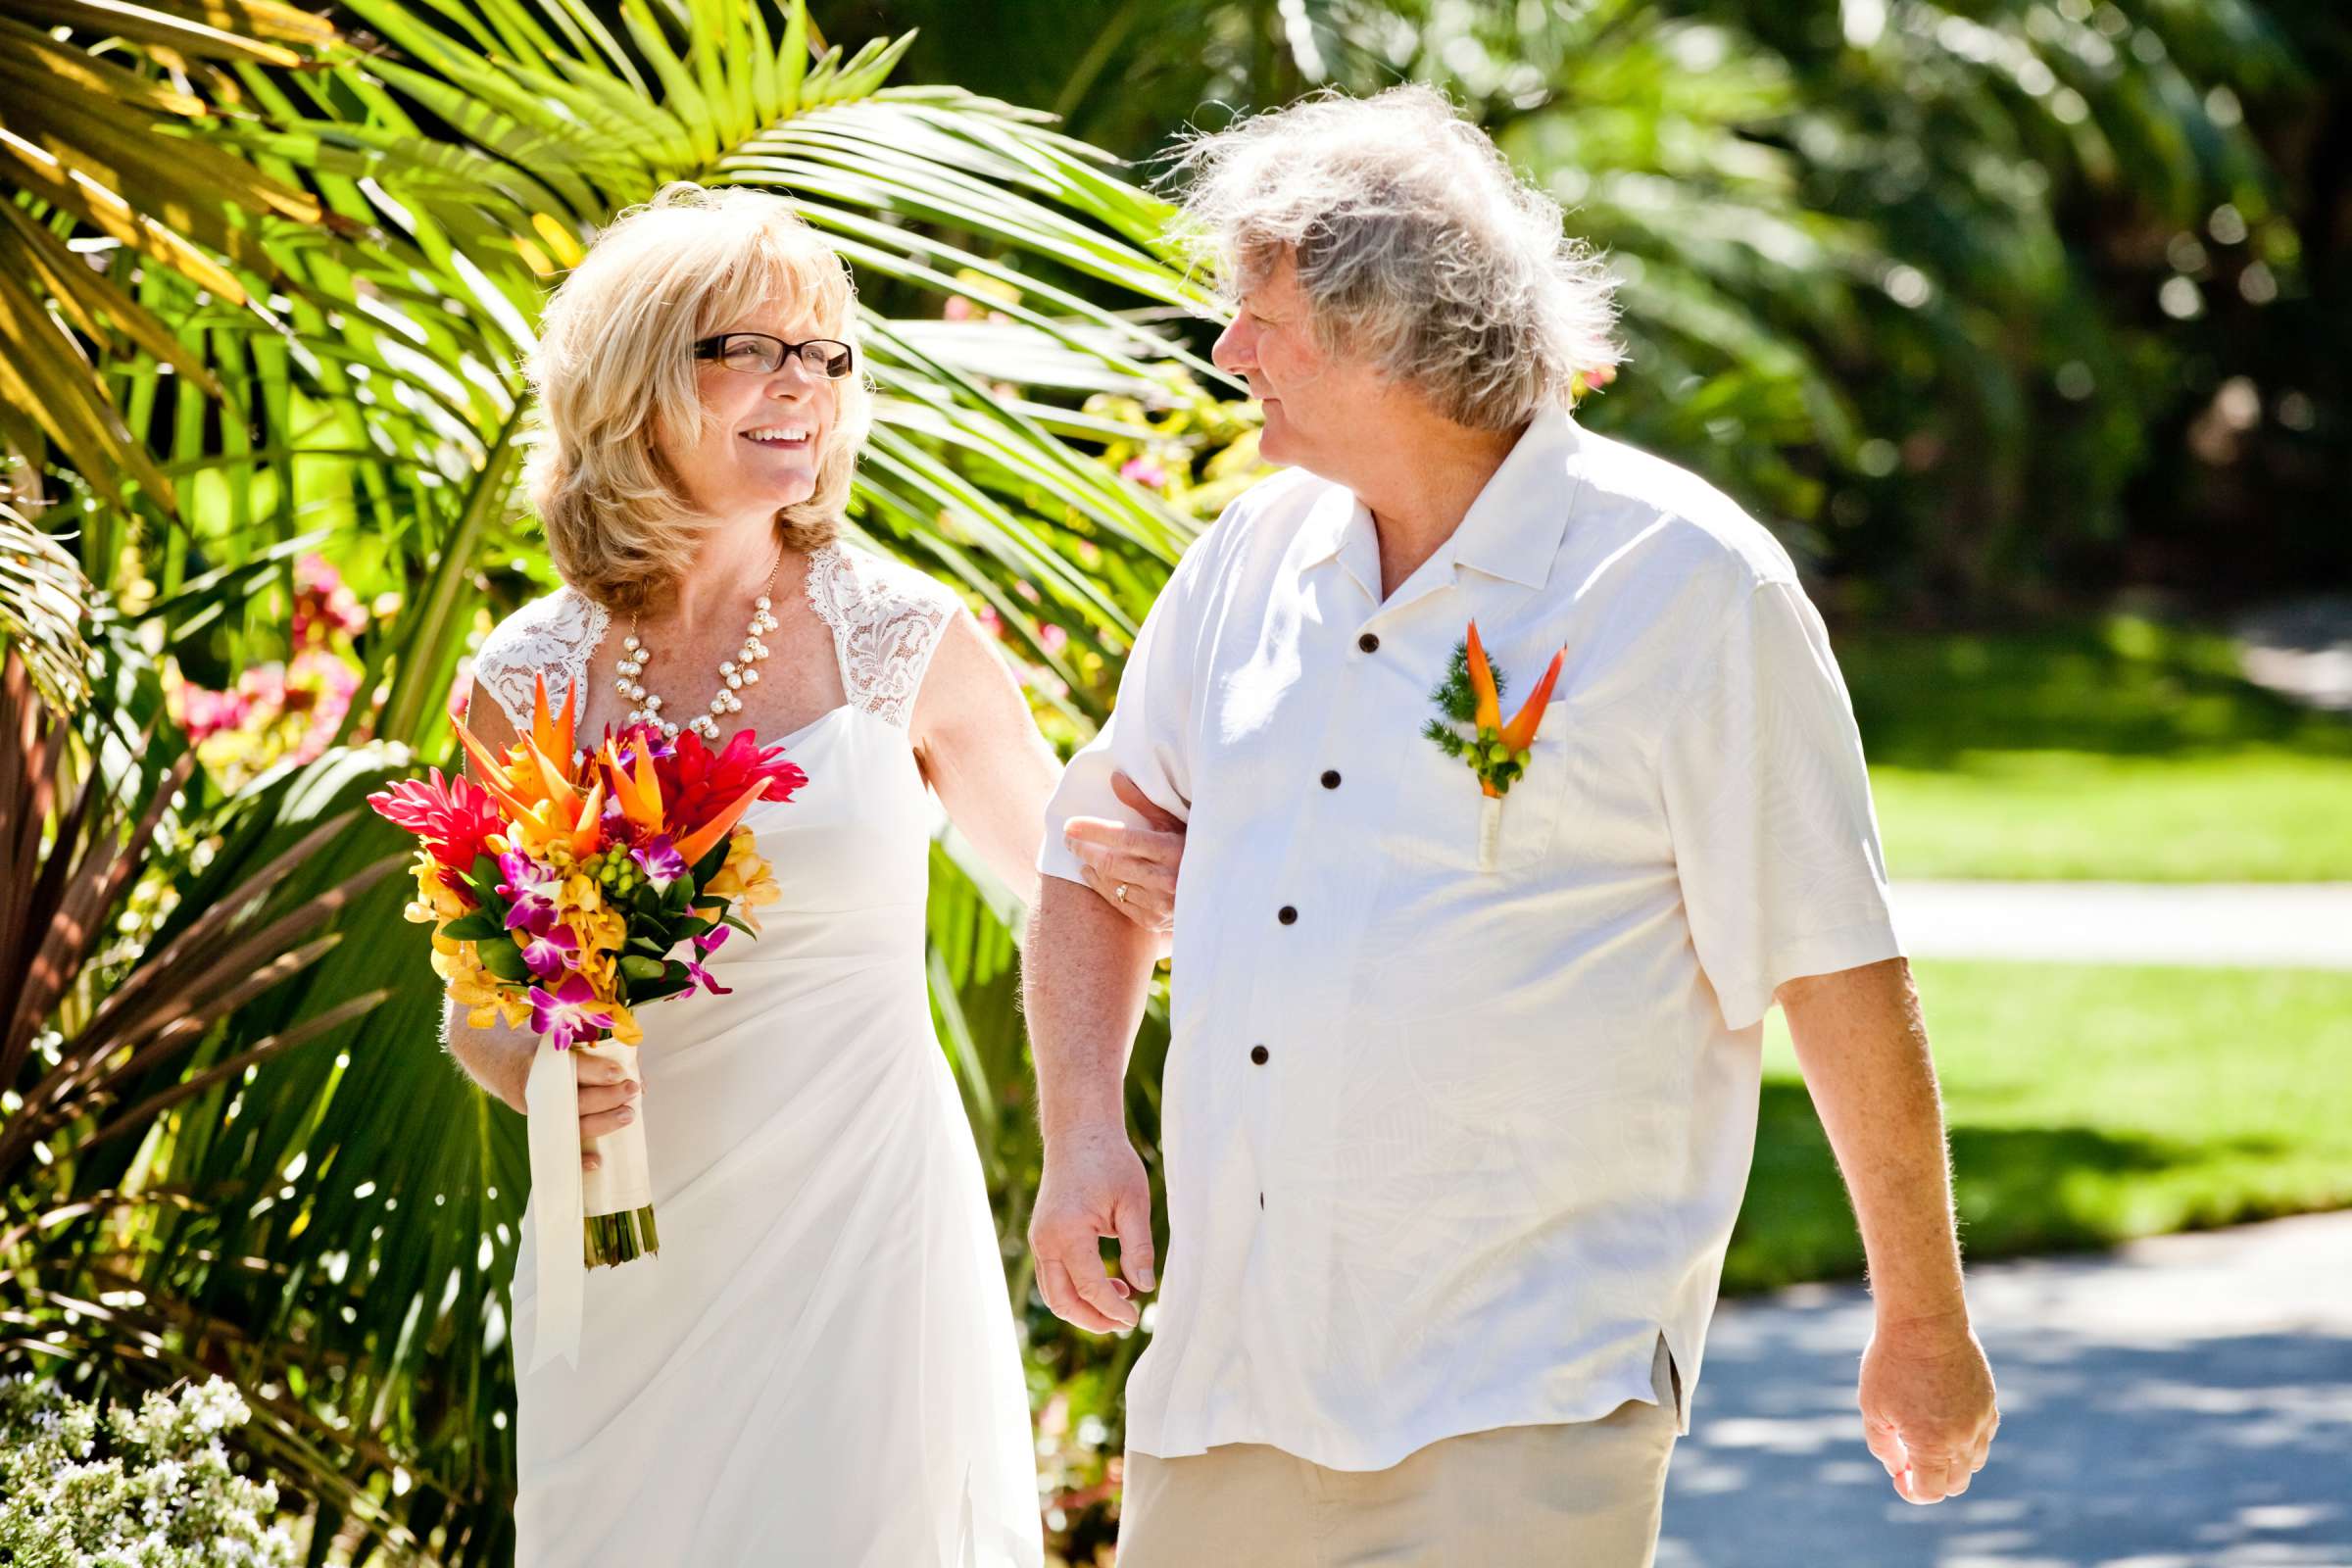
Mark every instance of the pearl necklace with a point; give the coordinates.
(733, 673)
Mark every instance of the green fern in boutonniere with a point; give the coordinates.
(1456, 704)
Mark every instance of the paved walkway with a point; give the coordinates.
(2267, 925)
(2301, 649)
(2185, 1403)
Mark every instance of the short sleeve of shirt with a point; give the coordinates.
(1768, 803)
(1148, 734)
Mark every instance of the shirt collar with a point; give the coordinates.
(1511, 531)
(1340, 528)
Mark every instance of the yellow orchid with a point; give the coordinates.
(436, 901)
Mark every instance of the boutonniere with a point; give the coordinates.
(1497, 753)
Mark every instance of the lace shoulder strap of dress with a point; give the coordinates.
(554, 635)
(886, 619)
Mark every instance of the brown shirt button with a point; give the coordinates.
(1369, 642)
(1331, 778)
(1287, 915)
(1257, 1054)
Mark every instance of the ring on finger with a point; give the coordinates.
(1120, 893)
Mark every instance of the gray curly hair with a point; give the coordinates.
(1415, 245)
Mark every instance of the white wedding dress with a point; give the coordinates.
(820, 1367)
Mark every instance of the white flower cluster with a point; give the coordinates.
(150, 1488)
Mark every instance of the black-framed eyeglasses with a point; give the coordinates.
(757, 354)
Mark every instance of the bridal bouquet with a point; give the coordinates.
(565, 894)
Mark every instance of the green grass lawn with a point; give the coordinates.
(2089, 1104)
(2123, 749)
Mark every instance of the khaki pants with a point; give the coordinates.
(1585, 1494)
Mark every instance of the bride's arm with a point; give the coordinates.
(498, 1057)
(981, 751)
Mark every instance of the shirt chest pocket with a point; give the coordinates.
(1440, 804)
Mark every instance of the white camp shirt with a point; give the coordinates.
(1447, 1148)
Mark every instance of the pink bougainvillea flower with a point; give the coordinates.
(568, 1014)
(1144, 472)
(552, 952)
(324, 607)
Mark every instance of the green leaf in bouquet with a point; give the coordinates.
(740, 924)
(482, 925)
(637, 967)
(680, 894)
(504, 959)
(482, 881)
(713, 858)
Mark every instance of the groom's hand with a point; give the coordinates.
(1134, 869)
(1927, 1410)
(1094, 1185)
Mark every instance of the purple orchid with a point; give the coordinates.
(661, 862)
(532, 887)
(706, 945)
(568, 1014)
(551, 951)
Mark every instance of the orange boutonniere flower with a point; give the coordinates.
(1495, 752)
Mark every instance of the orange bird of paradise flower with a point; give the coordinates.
(1500, 749)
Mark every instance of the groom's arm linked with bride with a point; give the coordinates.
(1460, 1097)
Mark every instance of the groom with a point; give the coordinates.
(1462, 1091)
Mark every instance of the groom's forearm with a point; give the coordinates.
(1863, 1046)
(1085, 974)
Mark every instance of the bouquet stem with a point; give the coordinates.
(618, 1238)
(616, 1199)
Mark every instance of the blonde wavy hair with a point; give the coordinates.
(614, 371)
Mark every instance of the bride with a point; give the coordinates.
(821, 1366)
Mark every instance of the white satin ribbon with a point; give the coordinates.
(551, 1097)
(563, 1195)
(1489, 830)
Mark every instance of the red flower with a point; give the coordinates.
(451, 816)
(698, 784)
